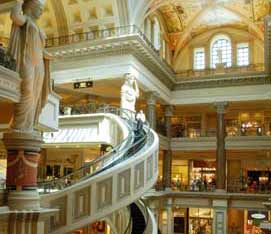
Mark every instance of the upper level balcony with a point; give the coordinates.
(131, 40)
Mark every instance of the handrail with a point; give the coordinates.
(128, 228)
(146, 214)
(258, 67)
(100, 164)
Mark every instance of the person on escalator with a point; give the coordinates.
(141, 119)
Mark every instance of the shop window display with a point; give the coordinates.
(254, 220)
(179, 174)
(200, 221)
(203, 176)
(258, 181)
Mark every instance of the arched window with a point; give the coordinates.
(156, 33)
(221, 51)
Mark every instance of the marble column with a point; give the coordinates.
(220, 220)
(167, 157)
(167, 164)
(168, 116)
(151, 109)
(203, 132)
(220, 147)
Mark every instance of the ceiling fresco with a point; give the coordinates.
(188, 18)
(62, 17)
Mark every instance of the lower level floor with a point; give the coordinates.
(207, 221)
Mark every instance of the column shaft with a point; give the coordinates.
(151, 110)
(167, 164)
(220, 148)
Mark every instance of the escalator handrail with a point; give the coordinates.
(128, 228)
(58, 182)
(107, 155)
(146, 214)
(114, 152)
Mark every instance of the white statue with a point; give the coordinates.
(129, 93)
(27, 42)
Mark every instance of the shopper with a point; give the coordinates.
(141, 119)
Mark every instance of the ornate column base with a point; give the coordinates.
(24, 200)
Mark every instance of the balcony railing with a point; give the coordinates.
(180, 132)
(235, 186)
(208, 72)
(109, 33)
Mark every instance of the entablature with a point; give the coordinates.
(130, 40)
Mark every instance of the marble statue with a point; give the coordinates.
(129, 93)
(27, 42)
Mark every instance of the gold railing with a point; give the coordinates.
(209, 72)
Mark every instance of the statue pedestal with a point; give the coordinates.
(22, 165)
(23, 213)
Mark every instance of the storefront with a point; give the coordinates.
(254, 222)
(193, 220)
(200, 221)
(202, 175)
(256, 175)
(179, 174)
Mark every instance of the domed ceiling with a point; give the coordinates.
(62, 17)
(187, 18)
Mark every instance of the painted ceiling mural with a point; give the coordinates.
(62, 17)
(188, 18)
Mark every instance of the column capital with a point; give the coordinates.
(221, 107)
(152, 97)
(168, 110)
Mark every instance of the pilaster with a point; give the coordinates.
(220, 220)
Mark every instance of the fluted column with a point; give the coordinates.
(167, 157)
(151, 109)
(220, 147)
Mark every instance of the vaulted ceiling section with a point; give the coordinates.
(62, 17)
(185, 19)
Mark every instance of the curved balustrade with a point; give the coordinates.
(116, 180)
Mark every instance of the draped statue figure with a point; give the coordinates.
(27, 42)
(129, 93)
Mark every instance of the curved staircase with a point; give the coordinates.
(106, 184)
